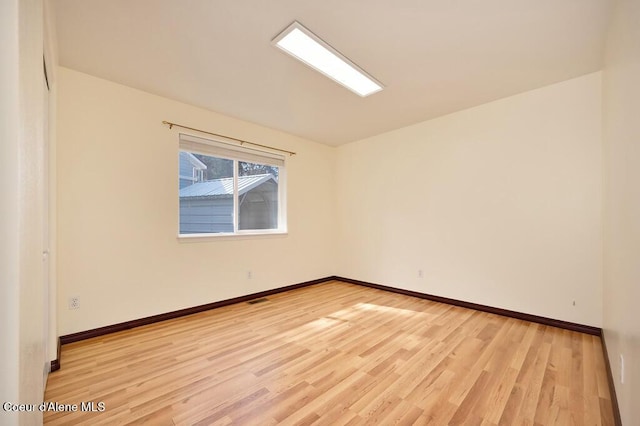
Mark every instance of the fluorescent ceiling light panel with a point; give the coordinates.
(302, 44)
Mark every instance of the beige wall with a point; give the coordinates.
(23, 293)
(51, 58)
(621, 129)
(9, 202)
(498, 205)
(118, 210)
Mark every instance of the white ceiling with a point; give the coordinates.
(433, 56)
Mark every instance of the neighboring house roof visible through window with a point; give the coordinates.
(224, 187)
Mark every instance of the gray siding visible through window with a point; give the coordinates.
(206, 215)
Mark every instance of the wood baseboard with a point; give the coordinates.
(55, 364)
(596, 331)
(101, 331)
(612, 387)
(87, 334)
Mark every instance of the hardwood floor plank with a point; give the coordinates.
(336, 354)
(499, 395)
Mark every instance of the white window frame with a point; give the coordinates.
(221, 148)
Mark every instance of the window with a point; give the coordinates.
(229, 189)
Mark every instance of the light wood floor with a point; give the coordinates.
(335, 354)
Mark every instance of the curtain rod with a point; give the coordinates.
(242, 142)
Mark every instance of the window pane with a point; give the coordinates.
(257, 196)
(206, 194)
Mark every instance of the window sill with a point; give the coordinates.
(200, 238)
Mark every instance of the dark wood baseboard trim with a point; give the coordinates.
(612, 387)
(596, 331)
(88, 334)
(55, 364)
(96, 332)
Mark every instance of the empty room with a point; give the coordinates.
(328, 213)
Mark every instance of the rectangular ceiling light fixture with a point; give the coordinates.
(302, 44)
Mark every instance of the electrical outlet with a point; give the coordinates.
(249, 275)
(74, 302)
(420, 273)
(621, 369)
